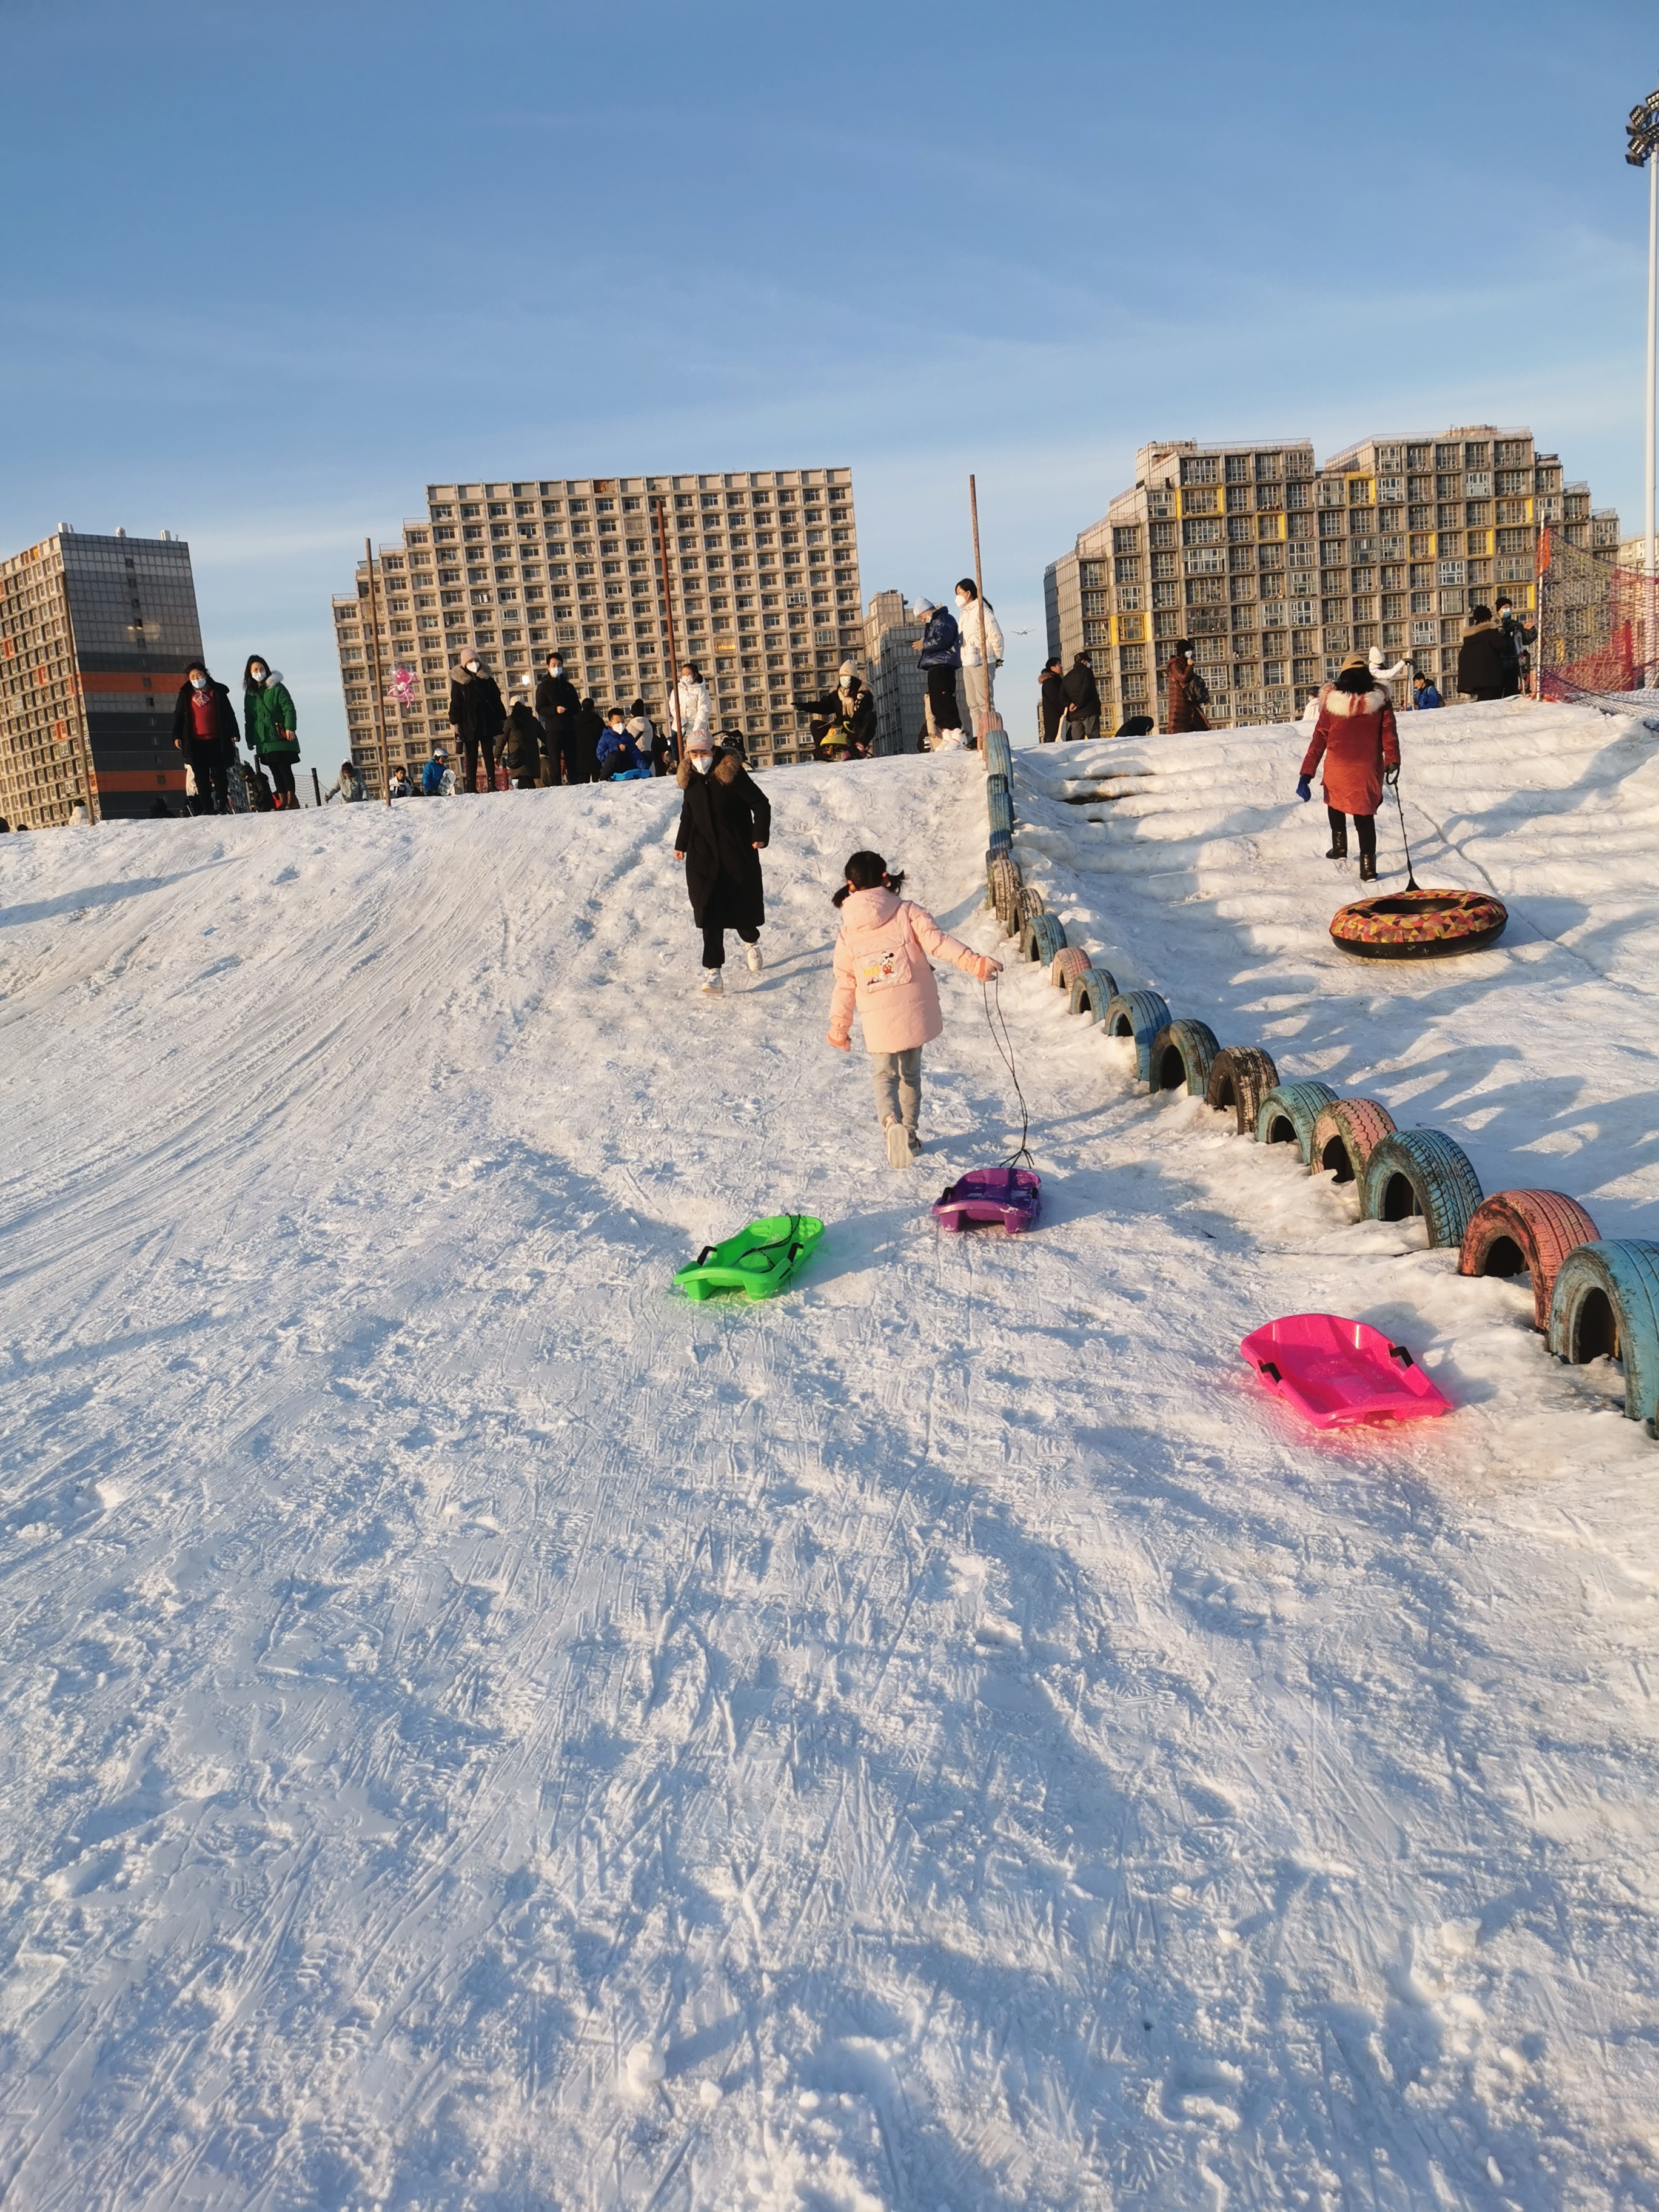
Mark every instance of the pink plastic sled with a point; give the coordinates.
(1336, 1372)
(1012, 1196)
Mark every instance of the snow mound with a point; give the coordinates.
(480, 1732)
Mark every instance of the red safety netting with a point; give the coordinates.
(1596, 622)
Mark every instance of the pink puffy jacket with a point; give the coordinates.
(881, 966)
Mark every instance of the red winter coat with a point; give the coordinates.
(1356, 736)
(1189, 694)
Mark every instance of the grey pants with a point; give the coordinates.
(897, 1079)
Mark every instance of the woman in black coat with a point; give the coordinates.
(724, 824)
(204, 731)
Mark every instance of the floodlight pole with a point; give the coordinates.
(1642, 151)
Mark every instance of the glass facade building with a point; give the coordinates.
(95, 635)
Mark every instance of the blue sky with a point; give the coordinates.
(267, 272)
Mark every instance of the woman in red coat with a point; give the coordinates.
(1356, 736)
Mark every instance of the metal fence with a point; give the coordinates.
(1596, 623)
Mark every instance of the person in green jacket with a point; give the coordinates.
(269, 718)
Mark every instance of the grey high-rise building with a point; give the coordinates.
(95, 635)
(1276, 569)
(763, 577)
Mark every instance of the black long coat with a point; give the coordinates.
(184, 721)
(475, 711)
(722, 820)
(1482, 663)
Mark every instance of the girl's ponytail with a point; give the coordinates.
(867, 871)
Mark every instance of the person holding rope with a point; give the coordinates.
(882, 971)
(1357, 739)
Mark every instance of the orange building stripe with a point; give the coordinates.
(92, 680)
(132, 779)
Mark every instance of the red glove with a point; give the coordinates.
(987, 967)
(840, 1043)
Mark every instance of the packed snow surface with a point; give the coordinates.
(480, 1731)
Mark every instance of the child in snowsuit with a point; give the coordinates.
(1356, 736)
(881, 968)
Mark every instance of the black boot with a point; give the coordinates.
(1368, 867)
(1338, 850)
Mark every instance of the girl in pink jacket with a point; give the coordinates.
(881, 966)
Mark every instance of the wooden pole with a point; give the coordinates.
(992, 719)
(380, 704)
(674, 649)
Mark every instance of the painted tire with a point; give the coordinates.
(1525, 1232)
(1183, 1053)
(1421, 1171)
(1606, 1300)
(996, 785)
(1287, 1113)
(1346, 1134)
(1419, 925)
(998, 841)
(1041, 938)
(999, 810)
(1067, 966)
(1002, 879)
(1031, 902)
(1139, 1015)
(1241, 1076)
(1092, 992)
(999, 757)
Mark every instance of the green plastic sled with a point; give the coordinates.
(759, 1260)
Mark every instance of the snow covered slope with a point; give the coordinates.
(479, 1733)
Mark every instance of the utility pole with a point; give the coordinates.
(661, 506)
(1642, 133)
(380, 703)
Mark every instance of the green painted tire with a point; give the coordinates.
(1422, 1171)
(1288, 1113)
(1606, 1300)
(1139, 1015)
(1183, 1053)
(1092, 992)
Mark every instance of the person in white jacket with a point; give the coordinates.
(1382, 674)
(690, 711)
(970, 610)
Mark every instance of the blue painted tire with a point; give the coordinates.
(1606, 1300)
(1182, 1055)
(1041, 938)
(1422, 1171)
(1000, 810)
(1092, 992)
(1139, 1015)
(1000, 840)
(998, 757)
(1287, 1115)
(997, 786)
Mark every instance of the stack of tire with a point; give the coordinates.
(1594, 1297)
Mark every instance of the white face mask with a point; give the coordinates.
(198, 682)
(702, 762)
(962, 603)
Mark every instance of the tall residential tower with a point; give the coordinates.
(763, 567)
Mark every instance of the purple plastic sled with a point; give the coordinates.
(1337, 1371)
(1012, 1196)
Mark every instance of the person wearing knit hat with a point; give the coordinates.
(940, 648)
(843, 720)
(1356, 738)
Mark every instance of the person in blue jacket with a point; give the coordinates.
(940, 648)
(619, 758)
(1423, 692)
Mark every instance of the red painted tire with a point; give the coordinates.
(1240, 1077)
(1529, 1232)
(1068, 963)
(1346, 1134)
(1419, 925)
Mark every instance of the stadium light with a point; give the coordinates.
(1642, 136)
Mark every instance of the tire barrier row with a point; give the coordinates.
(1592, 1298)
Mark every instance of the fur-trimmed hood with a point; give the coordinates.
(1354, 702)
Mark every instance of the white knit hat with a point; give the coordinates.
(700, 741)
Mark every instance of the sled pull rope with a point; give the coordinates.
(1004, 1044)
(1410, 880)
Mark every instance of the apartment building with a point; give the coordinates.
(762, 570)
(1276, 567)
(95, 635)
(893, 669)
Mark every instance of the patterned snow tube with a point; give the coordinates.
(1241, 1076)
(1183, 1053)
(1092, 992)
(1347, 1133)
(1002, 879)
(1286, 1115)
(1067, 966)
(999, 810)
(1421, 1171)
(1525, 1232)
(1606, 1302)
(998, 758)
(1139, 1015)
(1419, 925)
(1041, 938)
